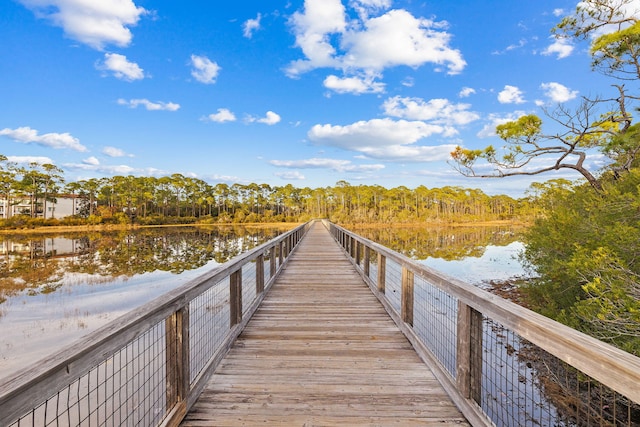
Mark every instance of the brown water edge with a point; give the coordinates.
(376, 225)
(285, 226)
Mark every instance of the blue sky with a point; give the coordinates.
(301, 92)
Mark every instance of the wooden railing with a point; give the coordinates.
(501, 363)
(149, 366)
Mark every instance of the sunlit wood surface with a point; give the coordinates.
(321, 350)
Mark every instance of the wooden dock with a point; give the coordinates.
(321, 350)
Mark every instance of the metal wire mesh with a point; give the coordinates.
(248, 286)
(393, 284)
(209, 325)
(434, 322)
(126, 389)
(266, 268)
(524, 385)
(373, 268)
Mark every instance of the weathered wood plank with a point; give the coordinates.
(321, 350)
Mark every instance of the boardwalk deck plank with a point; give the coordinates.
(321, 350)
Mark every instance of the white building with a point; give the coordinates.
(65, 205)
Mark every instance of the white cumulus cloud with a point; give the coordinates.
(465, 92)
(114, 152)
(324, 163)
(121, 67)
(91, 161)
(270, 119)
(511, 95)
(384, 139)
(290, 175)
(440, 111)
(558, 92)
(560, 47)
(399, 38)
(26, 135)
(368, 44)
(354, 85)
(251, 25)
(204, 70)
(95, 23)
(25, 160)
(105, 169)
(223, 115)
(150, 106)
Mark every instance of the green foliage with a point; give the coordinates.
(526, 127)
(584, 252)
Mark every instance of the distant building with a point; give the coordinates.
(64, 206)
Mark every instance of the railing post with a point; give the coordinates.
(177, 360)
(280, 255)
(469, 353)
(382, 273)
(358, 252)
(235, 297)
(272, 261)
(287, 246)
(352, 250)
(367, 256)
(260, 274)
(407, 296)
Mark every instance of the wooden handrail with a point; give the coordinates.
(28, 388)
(612, 367)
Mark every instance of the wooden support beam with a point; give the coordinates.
(367, 260)
(235, 297)
(469, 353)
(177, 361)
(259, 274)
(407, 296)
(382, 273)
(272, 261)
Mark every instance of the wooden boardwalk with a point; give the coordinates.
(322, 351)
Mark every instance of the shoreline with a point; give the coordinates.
(279, 225)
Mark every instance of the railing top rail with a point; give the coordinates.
(611, 366)
(76, 358)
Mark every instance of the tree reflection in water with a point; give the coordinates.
(38, 263)
(56, 288)
(478, 255)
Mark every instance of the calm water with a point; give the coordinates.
(55, 289)
(476, 255)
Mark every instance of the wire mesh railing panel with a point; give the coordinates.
(435, 316)
(373, 268)
(248, 286)
(510, 396)
(393, 284)
(208, 325)
(359, 254)
(126, 389)
(524, 385)
(266, 269)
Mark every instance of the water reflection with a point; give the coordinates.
(476, 255)
(39, 264)
(56, 288)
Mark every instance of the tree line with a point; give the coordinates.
(176, 198)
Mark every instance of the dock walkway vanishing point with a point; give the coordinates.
(321, 350)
